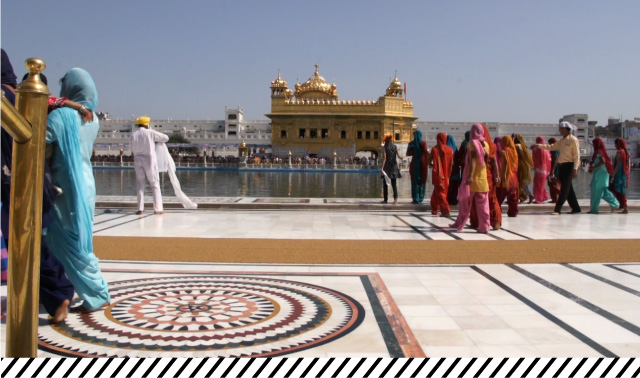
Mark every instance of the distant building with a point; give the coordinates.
(617, 128)
(220, 137)
(529, 131)
(313, 121)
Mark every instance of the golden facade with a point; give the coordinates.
(313, 121)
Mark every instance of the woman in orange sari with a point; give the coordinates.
(441, 161)
(493, 178)
(508, 186)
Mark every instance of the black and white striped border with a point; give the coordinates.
(319, 367)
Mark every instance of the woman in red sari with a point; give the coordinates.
(542, 166)
(441, 162)
(620, 178)
(493, 178)
(508, 186)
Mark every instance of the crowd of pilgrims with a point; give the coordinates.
(482, 173)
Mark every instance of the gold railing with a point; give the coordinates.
(27, 124)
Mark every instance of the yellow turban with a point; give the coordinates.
(143, 121)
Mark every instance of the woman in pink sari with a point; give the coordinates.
(542, 166)
(474, 186)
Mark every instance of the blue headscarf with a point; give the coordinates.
(452, 143)
(70, 234)
(78, 86)
(417, 154)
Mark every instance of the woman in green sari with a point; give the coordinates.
(601, 167)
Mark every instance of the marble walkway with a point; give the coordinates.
(185, 309)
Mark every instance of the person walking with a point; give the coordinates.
(508, 186)
(552, 181)
(621, 172)
(441, 162)
(474, 186)
(70, 234)
(601, 167)
(390, 170)
(542, 166)
(454, 179)
(568, 164)
(525, 163)
(145, 162)
(418, 167)
(493, 179)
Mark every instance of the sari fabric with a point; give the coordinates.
(70, 234)
(525, 163)
(465, 194)
(442, 160)
(542, 165)
(456, 172)
(600, 183)
(508, 187)
(495, 212)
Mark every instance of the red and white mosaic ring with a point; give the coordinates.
(197, 316)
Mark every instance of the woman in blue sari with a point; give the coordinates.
(70, 235)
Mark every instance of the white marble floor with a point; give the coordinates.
(526, 310)
(356, 225)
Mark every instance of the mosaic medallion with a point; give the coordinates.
(197, 316)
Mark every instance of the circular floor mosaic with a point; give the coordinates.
(198, 316)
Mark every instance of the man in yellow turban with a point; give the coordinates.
(145, 162)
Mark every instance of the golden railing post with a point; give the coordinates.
(25, 230)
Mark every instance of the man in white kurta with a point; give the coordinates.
(143, 146)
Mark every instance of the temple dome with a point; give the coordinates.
(395, 88)
(316, 87)
(279, 87)
(279, 82)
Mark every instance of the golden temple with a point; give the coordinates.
(313, 121)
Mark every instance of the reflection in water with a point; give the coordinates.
(209, 183)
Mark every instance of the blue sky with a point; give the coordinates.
(501, 61)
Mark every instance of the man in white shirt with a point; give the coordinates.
(568, 164)
(143, 146)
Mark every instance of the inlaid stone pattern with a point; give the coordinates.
(197, 316)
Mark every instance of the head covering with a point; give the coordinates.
(78, 86)
(600, 149)
(43, 78)
(467, 138)
(8, 76)
(487, 137)
(567, 125)
(510, 156)
(143, 121)
(452, 143)
(387, 138)
(524, 157)
(477, 137)
(541, 158)
(477, 132)
(621, 145)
